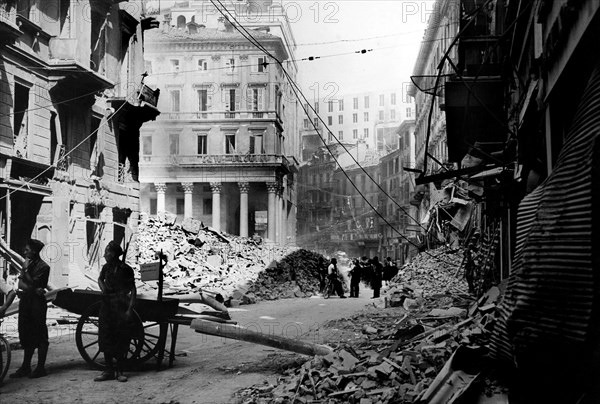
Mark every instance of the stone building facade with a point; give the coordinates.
(71, 105)
(223, 150)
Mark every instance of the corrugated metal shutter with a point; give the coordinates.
(551, 291)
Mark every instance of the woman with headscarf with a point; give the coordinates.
(117, 284)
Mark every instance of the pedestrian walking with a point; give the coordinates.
(377, 274)
(33, 332)
(355, 274)
(322, 273)
(332, 274)
(117, 284)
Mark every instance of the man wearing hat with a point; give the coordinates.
(117, 284)
(33, 332)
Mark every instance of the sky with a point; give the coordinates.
(393, 29)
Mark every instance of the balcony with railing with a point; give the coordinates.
(220, 115)
(199, 160)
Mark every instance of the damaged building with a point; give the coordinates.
(72, 103)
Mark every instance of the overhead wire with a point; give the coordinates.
(296, 90)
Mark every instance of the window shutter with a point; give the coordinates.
(254, 66)
(237, 100)
(249, 99)
(208, 100)
(261, 106)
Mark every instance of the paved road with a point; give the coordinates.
(207, 369)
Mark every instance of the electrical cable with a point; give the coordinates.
(295, 88)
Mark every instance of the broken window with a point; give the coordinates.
(202, 64)
(229, 144)
(202, 144)
(20, 119)
(174, 65)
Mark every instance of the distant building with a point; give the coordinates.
(369, 117)
(224, 151)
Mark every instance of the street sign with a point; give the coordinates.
(150, 271)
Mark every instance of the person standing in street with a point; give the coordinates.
(33, 332)
(377, 276)
(355, 274)
(332, 273)
(117, 284)
(322, 272)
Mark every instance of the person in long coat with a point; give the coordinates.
(117, 284)
(377, 276)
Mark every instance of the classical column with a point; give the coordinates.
(272, 188)
(282, 219)
(188, 189)
(161, 188)
(244, 187)
(216, 189)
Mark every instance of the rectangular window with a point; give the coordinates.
(341, 135)
(329, 137)
(393, 98)
(317, 107)
(340, 105)
(207, 206)
(202, 144)
(255, 101)
(366, 101)
(174, 65)
(316, 122)
(355, 102)
(147, 145)
(366, 132)
(152, 206)
(366, 117)
(173, 144)
(341, 119)
(354, 133)
(230, 65)
(232, 101)
(204, 100)
(179, 206)
(306, 123)
(329, 120)
(175, 98)
(256, 144)
(330, 106)
(381, 100)
(408, 112)
(20, 109)
(229, 144)
(202, 64)
(354, 118)
(381, 115)
(392, 114)
(260, 66)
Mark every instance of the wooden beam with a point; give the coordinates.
(243, 334)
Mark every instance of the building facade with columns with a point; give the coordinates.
(221, 152)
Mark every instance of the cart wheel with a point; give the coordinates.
(155, 336)
(86, 338)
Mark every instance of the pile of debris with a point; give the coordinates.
(243, 270)
(396, 352)
(434, 272)
(296, 275)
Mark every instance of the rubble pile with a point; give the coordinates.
(391, 353)
(199, 258)
(434, 272)
(295, 275)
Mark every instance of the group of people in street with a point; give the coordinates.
(370, 271)
(116, 281)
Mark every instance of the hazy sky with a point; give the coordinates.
(396, 29)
